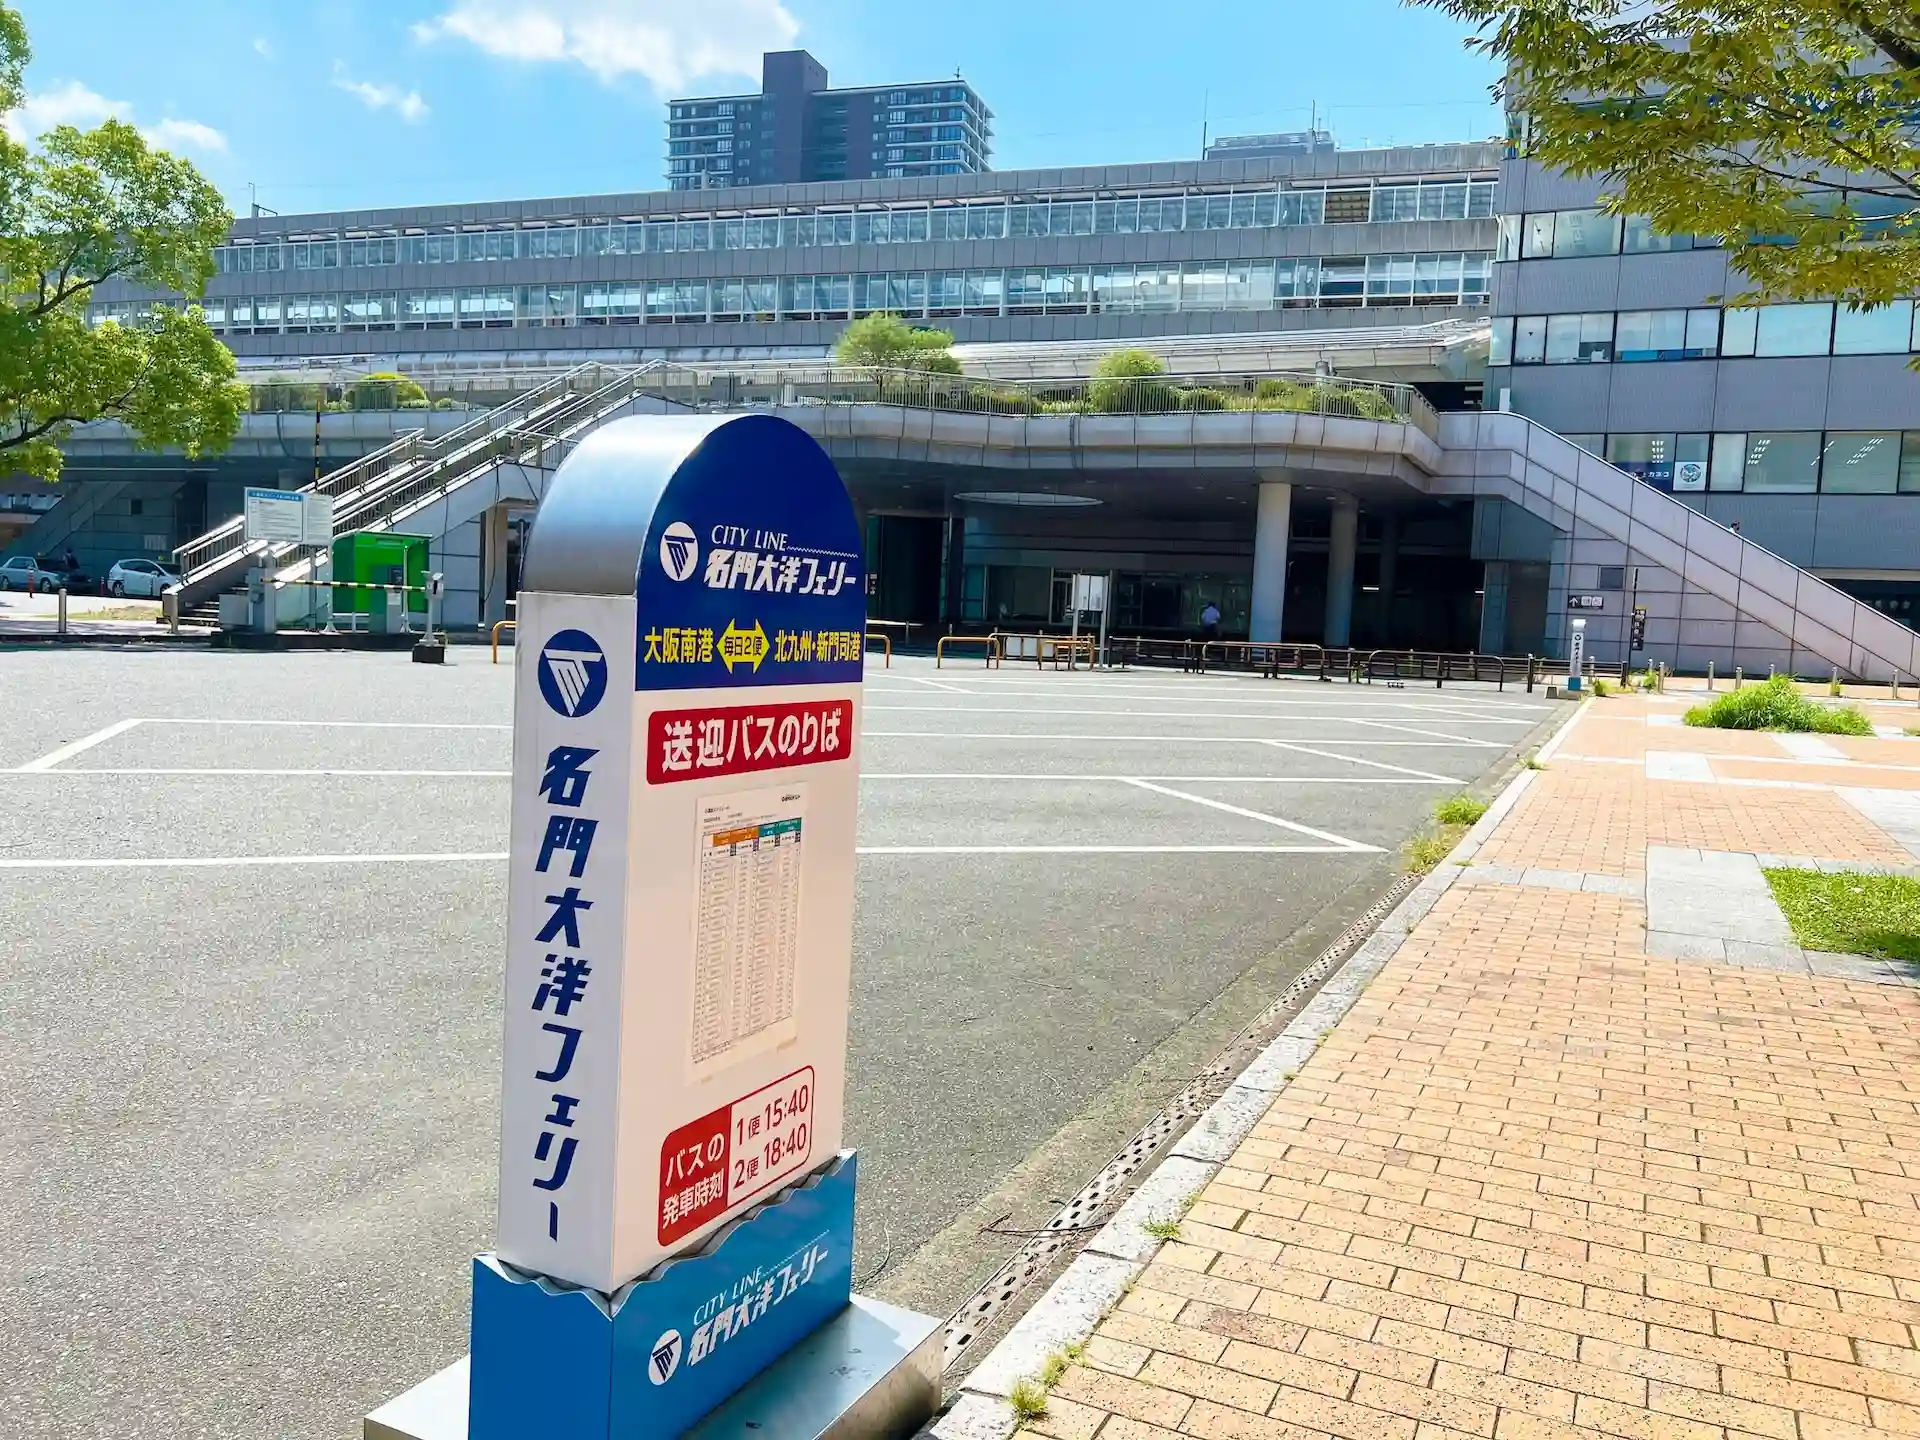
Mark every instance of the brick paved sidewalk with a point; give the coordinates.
(1541, 1184)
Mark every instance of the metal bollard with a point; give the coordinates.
(63, 609)
(1709, 677)
(1739, 674)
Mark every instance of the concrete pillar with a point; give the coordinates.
(1389, 573)
(1342, 540)
(1271, 524)
(1493, 608)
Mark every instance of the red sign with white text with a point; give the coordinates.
(732, 1154)
(739, 739)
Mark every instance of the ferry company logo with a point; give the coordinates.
(573, 673)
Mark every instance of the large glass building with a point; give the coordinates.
(796, 128)
(1199, 258)
(1797, 424)
(1355, 238)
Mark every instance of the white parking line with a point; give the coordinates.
(1416, 730)
(273, 772)
(1354, 759)
(1108, 850)
(73, 748)
(323, 724)
(1172, 739)
(921, 680)
(1417, 777)
(225, 862)
(1130, 714)
(1259, 815)
(218, 862)
(1025, 775)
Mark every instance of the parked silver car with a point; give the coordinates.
(23, 572)
(146, 578)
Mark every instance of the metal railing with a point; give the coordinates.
(364, 488)
(724, 388)
(1356, 666)
(992, 642)
(753, 385)
(528, 438)
(1042, 649)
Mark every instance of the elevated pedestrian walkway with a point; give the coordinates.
(1711, 596)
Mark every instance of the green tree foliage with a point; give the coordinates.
(1123, 382)
(78, 209)
(1131, 364)
(886, 342)
(385, 390)
(1786, 128)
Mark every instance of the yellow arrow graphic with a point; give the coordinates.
(743, 647)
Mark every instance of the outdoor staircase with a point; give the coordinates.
(380, 491)
(59, 525)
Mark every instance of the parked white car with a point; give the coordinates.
(146, 578)
(23, 572)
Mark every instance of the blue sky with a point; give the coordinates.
(340, 104)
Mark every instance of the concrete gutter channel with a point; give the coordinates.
(1098, 1276)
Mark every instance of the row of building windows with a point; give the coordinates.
(1572, 234)
(1454, 278)
(1238, 209)
(1789, 462)
(1602, 336)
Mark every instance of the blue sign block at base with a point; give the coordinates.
(870, 1373)
(663, 1351)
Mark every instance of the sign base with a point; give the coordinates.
(870, 1373)
(668, 1349)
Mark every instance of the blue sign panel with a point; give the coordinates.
(564, 1364)
(752, 572)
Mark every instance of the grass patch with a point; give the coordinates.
(1533, 763)
(1029, 1399)
(1876, 915)
(1602, 688)
(1459, 810)
(1777, 704)
(1162, 1229)
(1426, 851)
(1453, 817)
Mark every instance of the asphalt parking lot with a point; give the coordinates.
(254, 908)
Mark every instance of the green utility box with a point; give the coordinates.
(373, 557)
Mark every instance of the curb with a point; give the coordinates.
(1102, 1273)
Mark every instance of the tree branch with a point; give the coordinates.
(1897, 48)
(64, 291)
(29, 433)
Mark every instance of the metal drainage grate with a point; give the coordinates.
(1088, 1210)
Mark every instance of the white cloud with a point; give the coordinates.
(263, 47)
(407, 104)
(669, 42)
(67, 103)
(173, 134)
(72, 103)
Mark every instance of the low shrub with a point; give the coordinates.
(1201, 397)
(1777, 704)
(1459, 810)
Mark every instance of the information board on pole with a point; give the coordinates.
(276, 517)
(682, 845)
(1090, 592)
(316, 518)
